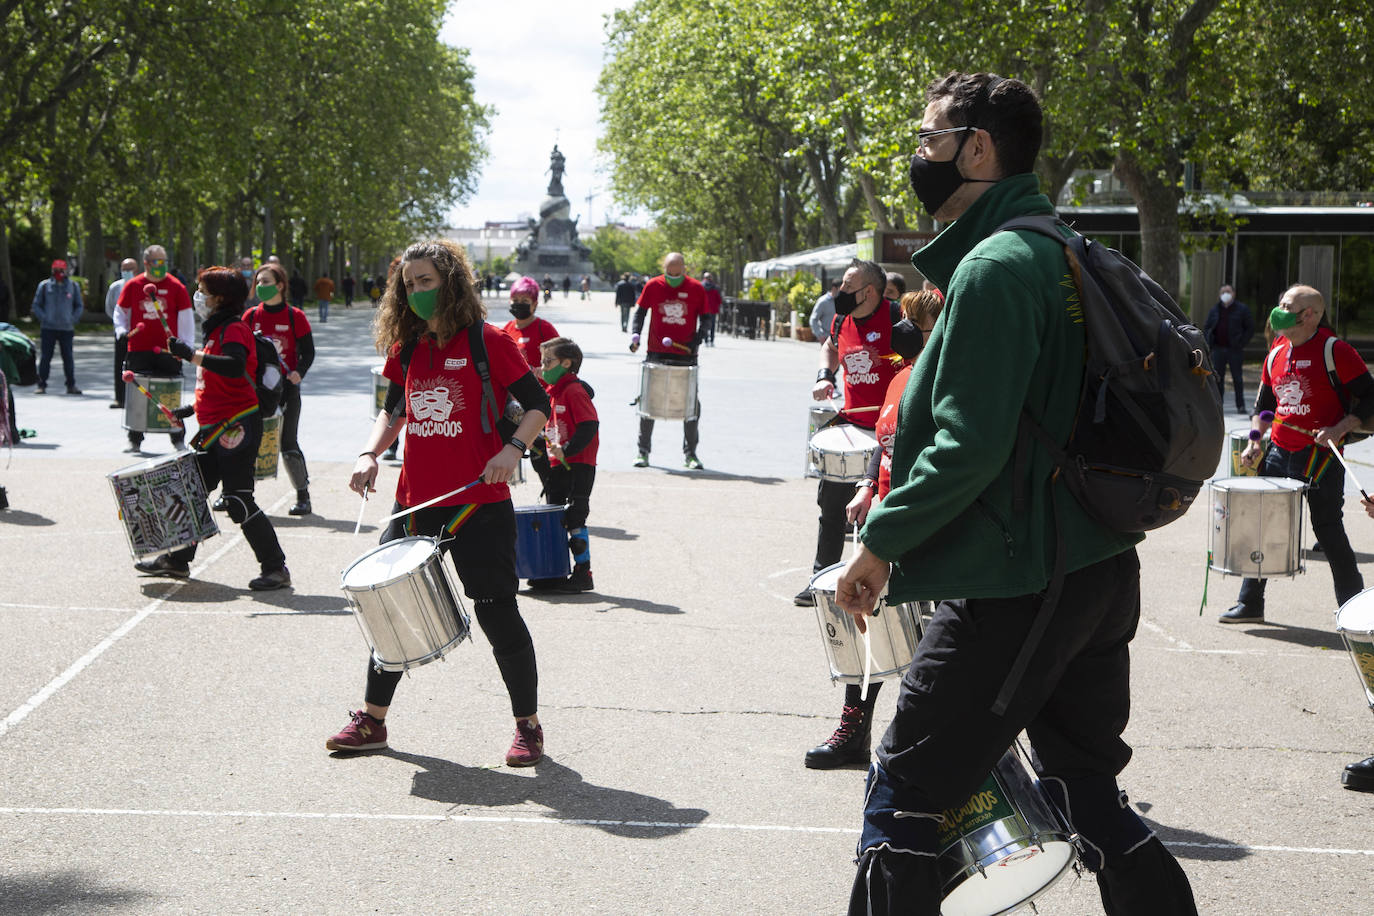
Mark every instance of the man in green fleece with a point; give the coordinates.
(971, 522)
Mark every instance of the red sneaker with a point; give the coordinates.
(363, 733)
(528, 747)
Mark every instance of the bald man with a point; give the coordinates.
(1319, 390)
(677, 304)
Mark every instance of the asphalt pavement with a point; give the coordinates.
(162, 743)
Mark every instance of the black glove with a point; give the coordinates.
(180, 348)
(181, 413)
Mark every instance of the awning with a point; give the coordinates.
(830, 258)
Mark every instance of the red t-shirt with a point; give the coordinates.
(1303, 389)
(283, 325)
(218, 397)
(145, 331)
(673, 312)
(571, 406)
(445, 445)
(886, 430)
(528, 338)
(869, 364)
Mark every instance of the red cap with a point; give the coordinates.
(59, 264)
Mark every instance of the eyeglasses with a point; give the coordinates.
(923, 137)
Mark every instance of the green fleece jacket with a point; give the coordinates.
(1010, 336)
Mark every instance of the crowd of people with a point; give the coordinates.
(950, 509)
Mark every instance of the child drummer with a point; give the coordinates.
(569, 444)
(429, 317)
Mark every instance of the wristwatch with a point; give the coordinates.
(868, 482)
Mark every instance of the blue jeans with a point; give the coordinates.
(1325, 498)
(48, 337)
(324, 310)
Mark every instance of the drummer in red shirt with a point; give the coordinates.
(427, 323)
(1312, 413)
(230, 424)
(289, 330)
(676, 306)
(136, 319)
(871, 338)
(524, 328)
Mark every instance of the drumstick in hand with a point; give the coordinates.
(361, 509)
(669, 342)
(429, 502)
(171, 417)
(150, 291)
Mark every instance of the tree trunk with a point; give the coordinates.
(1156, 199)
(60, 239)
(268, 230)
(186, 249)
(231, 236)
(93, 266)
(6, 273)
(210, 237)
(824, 181)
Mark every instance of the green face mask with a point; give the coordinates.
(675, 281)
(158, 270)
(266, 291)
(423, 301)
(1281, 319)
(553, 374)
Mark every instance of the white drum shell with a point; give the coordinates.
(413, 615)
(817, 417)
(894, 634)
(1355, 623)
(1257, 526)
(842, 452)
(1004, 863)
(140, 416)
(667, 392)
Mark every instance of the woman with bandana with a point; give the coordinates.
(226, 408)
(430, 326)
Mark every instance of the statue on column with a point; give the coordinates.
(556, 160)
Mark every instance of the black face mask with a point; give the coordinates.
(936, 182)
(520, 310)
(845, 302)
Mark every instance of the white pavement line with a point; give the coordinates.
(1160, 631)
(57, 683)
(61, 607)
(572, 822)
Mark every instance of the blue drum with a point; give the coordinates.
(541, 543)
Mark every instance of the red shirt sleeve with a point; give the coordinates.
(507, 362)
(300, 324)
(391, 371)
(1349, 364)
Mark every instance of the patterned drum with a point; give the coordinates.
(162, 502)
(265, 467)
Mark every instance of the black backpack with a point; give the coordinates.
(1149, 428)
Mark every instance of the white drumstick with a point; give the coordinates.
(1353, 479)
(844, 426)
(429, 502)
(868, 664)
(361, 509)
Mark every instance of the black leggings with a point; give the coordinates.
(483, 552)
(291, 455)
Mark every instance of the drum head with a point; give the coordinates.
(389, 562)
(1357, 614)
(826, 579)
(1011, 881)
(1258, 483)
(843, 438)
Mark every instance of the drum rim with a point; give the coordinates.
(436, 655)
(343, 576)
(152, 461)
(1067, 840)
(1276, 484)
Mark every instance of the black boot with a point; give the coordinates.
(1146, 882)
(579, 581)
(1359, 776)
(302, 506)
(848, 745)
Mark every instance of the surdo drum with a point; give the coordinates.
(816, 419)
(541, 543)
(142, 415)
(893, 633)
(842, 452)
(1355, 623)
(379, 386)
(162, 502)
(1003, 847)
(1256, 527)
(1240, 439)
(667, 392)
(269, 449)
(405, 603)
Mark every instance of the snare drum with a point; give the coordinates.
(1355, 623)
(842, 452)
(142, 415)
(1256, 527)
(1239, 440)
(1004, 847)
(541, 543)
(162, 502)
(893, 634)
(667, 392)
(405, 603)
(818, 416)
(265, 466)
(379, 387)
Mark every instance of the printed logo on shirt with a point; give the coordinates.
(431, 405)
(454, 363)
(674, 313)
(1302, 364)
(1289, 395)
(858, 368)
(561, 408)
(872, 336)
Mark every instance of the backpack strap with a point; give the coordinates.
(489, 411)
(1329, 354)
(404, 357)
